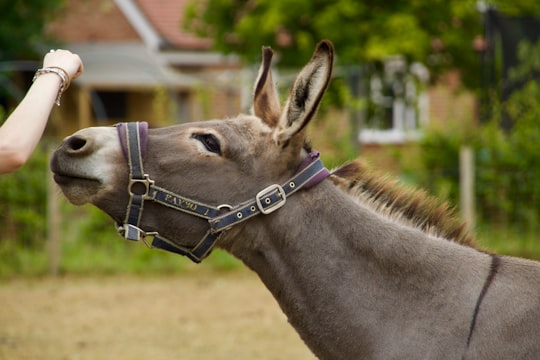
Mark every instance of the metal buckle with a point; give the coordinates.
(146, 181)
(272, 207)
(132, 232)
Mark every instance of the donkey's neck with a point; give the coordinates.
(336, 267)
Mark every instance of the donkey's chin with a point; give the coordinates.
(78, 190)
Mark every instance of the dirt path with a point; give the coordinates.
(183, 317)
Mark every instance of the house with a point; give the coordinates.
(141, 66)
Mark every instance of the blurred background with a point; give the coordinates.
(442, 94)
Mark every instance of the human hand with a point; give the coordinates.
(66, 60)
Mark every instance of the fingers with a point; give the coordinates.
(80, 69)
(66, 60)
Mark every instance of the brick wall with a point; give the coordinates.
(450, 103)
(92, 20)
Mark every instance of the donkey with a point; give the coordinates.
(362, 272)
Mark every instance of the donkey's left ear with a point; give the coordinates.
(265, 97)
(306, 94)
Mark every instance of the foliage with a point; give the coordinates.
(92, 232)
(23, 202)
(22, 26)
(508, 241)
(517, 7)
(440, 158)
(438, 33)
(507, 175)
(91, 246)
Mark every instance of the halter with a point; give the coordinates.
(134, 136)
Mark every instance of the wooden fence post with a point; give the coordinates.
(466, 185)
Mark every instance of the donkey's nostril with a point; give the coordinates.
(75, 143)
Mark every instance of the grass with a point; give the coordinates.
(509, 241)
(117, 256)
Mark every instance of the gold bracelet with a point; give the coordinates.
(65, 73)
(64, 76)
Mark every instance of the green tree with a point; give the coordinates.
(517, 7)
(22, 26)
(434, 32)
(439, 33)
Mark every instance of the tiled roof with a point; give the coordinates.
(166, 17)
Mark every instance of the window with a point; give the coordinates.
(397, 105)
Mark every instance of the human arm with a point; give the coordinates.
(21, 132)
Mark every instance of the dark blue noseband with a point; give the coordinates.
(134, 136)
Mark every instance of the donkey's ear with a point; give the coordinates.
(265, 98)
(306, 94)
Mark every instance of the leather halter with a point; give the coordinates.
(133, 137)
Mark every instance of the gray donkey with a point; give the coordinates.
(361, 271)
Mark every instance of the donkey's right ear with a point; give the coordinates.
(306, 95)
(265, 98)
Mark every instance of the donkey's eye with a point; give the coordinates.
(210, 142)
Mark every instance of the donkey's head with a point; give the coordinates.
(212, 162)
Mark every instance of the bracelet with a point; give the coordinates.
(64, 76)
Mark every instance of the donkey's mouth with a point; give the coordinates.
(79, 189)
(65, 179)
(65, 174)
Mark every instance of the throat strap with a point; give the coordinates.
(274, 196)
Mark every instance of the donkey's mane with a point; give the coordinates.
(405, 205)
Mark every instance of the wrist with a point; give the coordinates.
(61, 73)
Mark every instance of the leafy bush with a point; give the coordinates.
(23, 202)
(507, 176)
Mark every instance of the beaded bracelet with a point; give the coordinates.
(64, 76)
